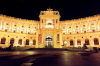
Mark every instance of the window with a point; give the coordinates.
(14, 31)
(84, 31)
(96, 41)
(58, 36)
(12, 41)
(93, 30)
(71, 42)
(6, 23)
(78, 42)
(56, 20)
(3, 40)
(64, 33)
(42, 20)
(15, 25)
(21, 31)
(20, 41)
(76, 26)
(5, 30)
(28, 32)
(83, 25)
(22, 26)
(87, 41)
(34, 42)
(27, 42)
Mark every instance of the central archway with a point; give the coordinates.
(49, 41)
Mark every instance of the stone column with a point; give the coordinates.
(54, 40)
(31, 43)
(23, 42)
(82, 42)
(91, 42)
(1, 26)
(41, 23)
(55, 23)
(7, 43)
(37, 39)
(61, 41)
(15, 42)
(68, 43)
(10, 24)
(75, 43)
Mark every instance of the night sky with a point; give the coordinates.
(30, 9)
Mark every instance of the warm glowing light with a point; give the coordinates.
(50, 30)
(0, 27)
(49, 23)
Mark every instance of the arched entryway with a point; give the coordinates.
(11, 42)
(49, 41)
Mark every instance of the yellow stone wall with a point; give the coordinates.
(77, 29)
(81, 29)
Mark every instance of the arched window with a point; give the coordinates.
(12, 41)
(78, 42)
(20, 41)
(71, 42)
(27, 42)
(3, 40)
(96, 41)
(34, 42)
(87, 41)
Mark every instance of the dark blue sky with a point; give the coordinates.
(69, 9)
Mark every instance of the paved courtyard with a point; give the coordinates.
(48, 58)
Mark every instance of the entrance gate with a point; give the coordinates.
(49, 42)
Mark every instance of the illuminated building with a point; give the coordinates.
(49, 32)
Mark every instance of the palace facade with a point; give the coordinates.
(49, 32)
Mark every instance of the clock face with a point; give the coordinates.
(49, 23)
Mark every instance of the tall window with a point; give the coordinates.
(12, 41)
(87, 41)
(71, 42)
(20, 41)
(96, 41)
(58, 37)
(78, 42)
(3, 40)
(27, 42)
(34, 42)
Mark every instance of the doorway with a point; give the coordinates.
(49, 42)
